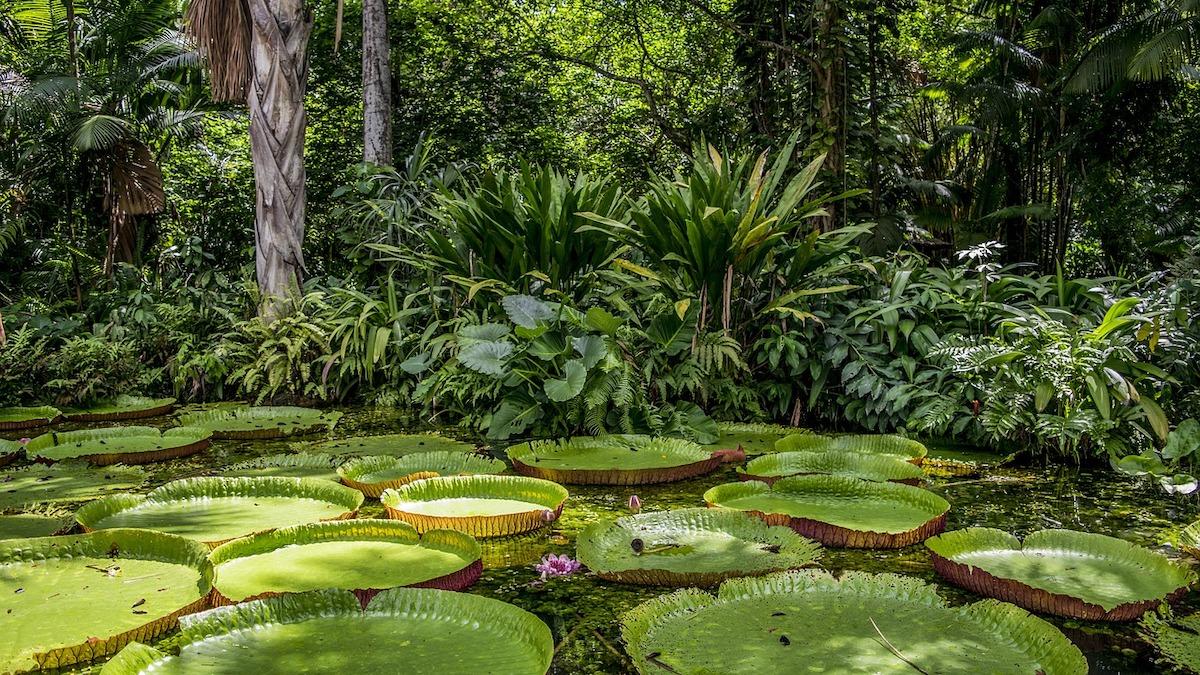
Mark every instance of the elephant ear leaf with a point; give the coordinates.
(486, 357)
(514, 416)
(572, 383)
(527, 311)
(1183, 441)
(591, 349)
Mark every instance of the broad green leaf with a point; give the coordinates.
(486, 357)
(526, 310)
(601, 320)
(1183, 441)
(591, 349)
(575, 375)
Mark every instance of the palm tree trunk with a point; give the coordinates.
(377, 84)
(278, 75)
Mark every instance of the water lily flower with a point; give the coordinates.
(548, 516)
(23, 441)
(557, 566)
(635, 504)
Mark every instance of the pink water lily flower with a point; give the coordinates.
(23, 441)
(557, 566)
(635, 504)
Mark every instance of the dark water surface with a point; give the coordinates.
(583, 612)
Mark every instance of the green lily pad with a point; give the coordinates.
(65, 482)
(395, 445)
(71, 599)
(30, 525)
(364, 556)
(121, 408)
(808, 621)
(373, 475)
(10, 451)
(417, 630)
(868, 467)
(867, 444)
(119, 445)
(612, 460)
(691, 547)
(12, 419)
(215, 510)
(753, 439)
(261, 422)
(482, 506)
(1177, 639)
(302, 465)
(838, 510)
(1189, 539)
(1075, 574)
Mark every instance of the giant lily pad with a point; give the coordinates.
(1189, 539)
(65, 482)
(303, 465)
(752, 439)
(840, 511)
(30, 525)
(769, 468)
(808, 621)
(261, 421)
(10, 451)
(12, 419)
(215, 510)
(1176, 638)
(396, 445)
(867, 444)
(119, 445)
(121, 408)
(363, 556)
(416, 630)
(482, 506)
(1063, 572)
(613, 460)
(67, 600)
(691, 547)
(373, 475)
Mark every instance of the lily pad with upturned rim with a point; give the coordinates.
(482, 506)
(867, 444)
(838, 510)
(751, 438)
(1189, 539)
(15, 419)
(363, 556)
(417, 630)
(373, 475)
(301, 465)
(690, 547)
(1062, 572)
(121, 408)
(10, 451)
(65, 482)
(772, 467)
(215, 510)
(76, 598)
(613, 460)
(45, 523)
(395, 445)
(808, 621)
(261, 422)
(119, 445)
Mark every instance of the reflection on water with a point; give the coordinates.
(583, 612)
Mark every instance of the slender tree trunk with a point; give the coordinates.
(829, 68)
(377, 84)
(279, 73)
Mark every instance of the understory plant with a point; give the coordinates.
(550, 369)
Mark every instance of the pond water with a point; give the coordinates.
(583, 612)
